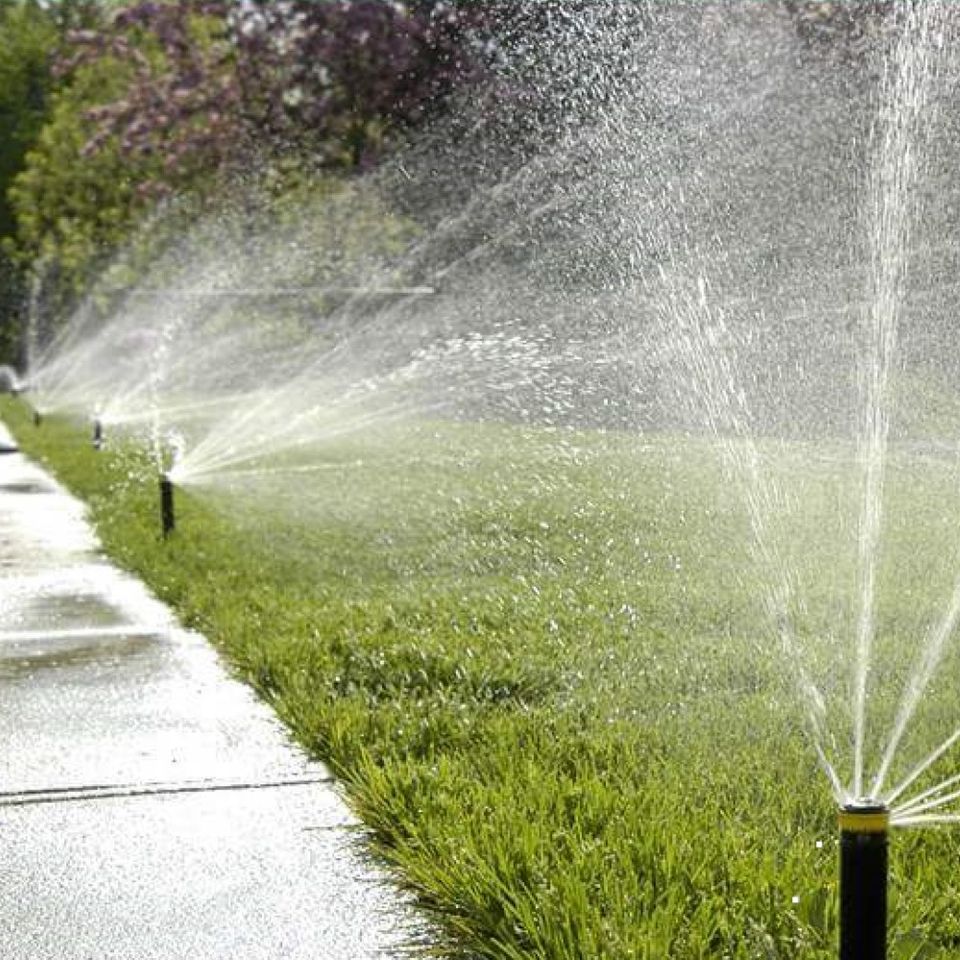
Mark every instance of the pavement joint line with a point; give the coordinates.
(35, 797)
(81, 633)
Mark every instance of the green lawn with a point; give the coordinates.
(539, 664)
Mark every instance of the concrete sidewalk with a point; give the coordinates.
(151, 807)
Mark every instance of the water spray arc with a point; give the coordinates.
(864, 832)
(167, 517)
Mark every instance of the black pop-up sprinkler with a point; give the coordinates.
(37, 417)
(97, 434)
(864, 829)
(167, 521)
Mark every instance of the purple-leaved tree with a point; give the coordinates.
(211, 80)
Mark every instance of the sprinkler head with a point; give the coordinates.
(97, 434)
(37, 418)
(864, 829)
(167, 519)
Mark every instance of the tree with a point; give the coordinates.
(73, 210)
(31, 34)
(345, 76)
(846, 28)
(28, 40)
(213, 81)
(161, 97)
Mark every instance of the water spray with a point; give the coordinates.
(864, 829)
(167, 520)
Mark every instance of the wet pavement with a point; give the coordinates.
(151, 807)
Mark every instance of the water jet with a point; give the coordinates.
(864, 830)
(167, 519)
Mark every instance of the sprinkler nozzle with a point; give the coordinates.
(167, 520)
(37, 418)
(864, 830)
(97, 434)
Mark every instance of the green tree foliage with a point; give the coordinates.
(28, 38)
(161, 100)
(31, 36)
(74, 208)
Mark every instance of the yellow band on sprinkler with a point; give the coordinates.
(864, 821)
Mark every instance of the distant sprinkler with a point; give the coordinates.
(9, 381)
(167, 521)
(97, 434)
(37, 417)
(864, 829)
